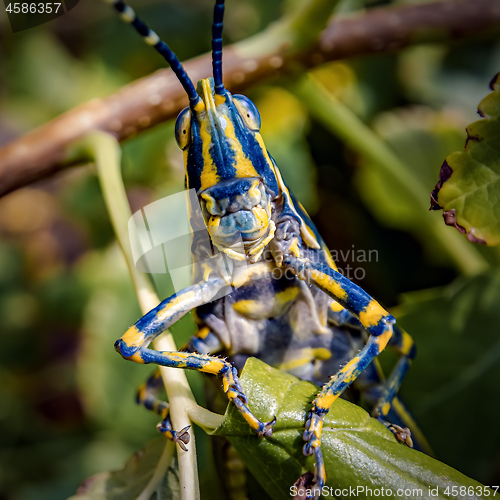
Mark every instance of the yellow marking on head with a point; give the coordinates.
(133, 337)
(219, 99)
(243, 164)
(372, 314)
(209, 201)
(254, 191)
(213, 222)
(199, 106)
(185, 153)
(208, 177)
(264, 149)
(328, 283)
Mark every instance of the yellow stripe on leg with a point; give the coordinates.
(133, 337)
(382, 340)
(328, 283)
(372, 314)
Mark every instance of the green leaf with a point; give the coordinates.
(129, 482)
(420, 137)
(452, 385)
(468, 190)
(357, 449)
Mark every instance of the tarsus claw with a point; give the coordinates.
(402, 435)
(267, 430)
(180, 437)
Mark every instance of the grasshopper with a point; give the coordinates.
(290, 307)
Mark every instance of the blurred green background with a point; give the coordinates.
(67, 406)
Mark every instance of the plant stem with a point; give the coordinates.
(161, 468)
(105, 150)
(342, 122)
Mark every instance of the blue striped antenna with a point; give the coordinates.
(217, 45)
(151, 38)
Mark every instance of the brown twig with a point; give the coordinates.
(159, 97)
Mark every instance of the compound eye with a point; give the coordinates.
(248, 111)
(183, 128)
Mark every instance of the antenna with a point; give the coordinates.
(151, 38)
(217, 45)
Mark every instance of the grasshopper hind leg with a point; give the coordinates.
(147, 396)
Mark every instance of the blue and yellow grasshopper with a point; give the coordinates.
(290, 307)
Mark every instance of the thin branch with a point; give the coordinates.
(160, 471)
(159, 97)
(105, 151)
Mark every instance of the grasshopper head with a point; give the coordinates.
(227, 163)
